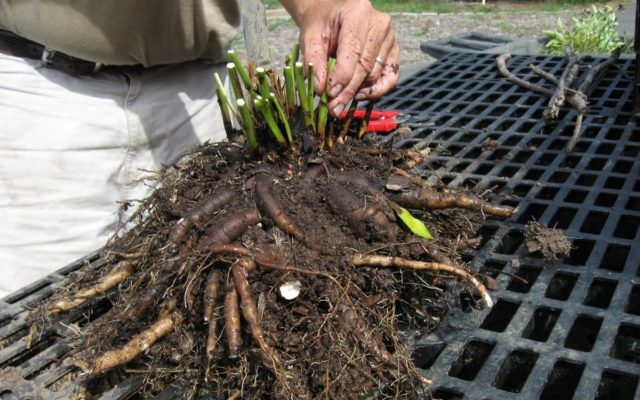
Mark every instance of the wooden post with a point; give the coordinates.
(254, 26)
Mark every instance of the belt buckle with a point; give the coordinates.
(49, 55)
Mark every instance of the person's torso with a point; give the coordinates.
(147, 32)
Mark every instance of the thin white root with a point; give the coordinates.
(360, 260)
(116, 276)
(133, 348)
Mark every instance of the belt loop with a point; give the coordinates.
(97, 67)
(47, 56)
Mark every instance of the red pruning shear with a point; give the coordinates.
(380, 121)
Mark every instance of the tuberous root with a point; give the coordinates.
(134, 347)
(427, 198)
(384, 261)
(118, 274)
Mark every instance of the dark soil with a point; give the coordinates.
(549, 243)
(489, 144)
(341, 338)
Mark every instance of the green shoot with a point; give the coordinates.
(289, 85)
(244, 75)
(224, 110)
(222, 94)
(247, 125)
(264, 96)
(311, 93)
(302, 90)
(323, 110)
(264, 83)
(302, 96)
(295, 52)
(263, 107)
(271, 98)
(282, 116)
(235, 81)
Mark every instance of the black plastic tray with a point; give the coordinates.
(573, 329)
(478, 42)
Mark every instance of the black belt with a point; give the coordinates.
(18, 46)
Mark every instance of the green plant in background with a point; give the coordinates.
(503, 25)
(594, 32)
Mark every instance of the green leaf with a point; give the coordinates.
(416, 226)
(560, 25)
(593, 32)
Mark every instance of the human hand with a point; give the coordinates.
(361, 39)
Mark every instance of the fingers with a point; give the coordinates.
(383, 55)
(316, 43)
(352, 36)
(389, 78)
(357, 35)
(379, 30)
(379, 33)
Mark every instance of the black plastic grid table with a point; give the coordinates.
(571, 329)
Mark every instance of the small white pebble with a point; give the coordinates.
(290, 290)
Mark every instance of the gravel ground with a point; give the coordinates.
(412, 29)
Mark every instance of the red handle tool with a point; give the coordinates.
(379, 122)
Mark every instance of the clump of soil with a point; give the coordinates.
(550, 243)
(190, 292)
(489, 144)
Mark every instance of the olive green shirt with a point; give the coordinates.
(126, 32)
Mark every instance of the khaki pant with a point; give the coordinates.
(73, 147)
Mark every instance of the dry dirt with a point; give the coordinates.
(550, 243)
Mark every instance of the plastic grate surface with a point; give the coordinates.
(36, 372)
(565, 330)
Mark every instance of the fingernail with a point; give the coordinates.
(335, 90)
(338, 109)
(360, 96)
